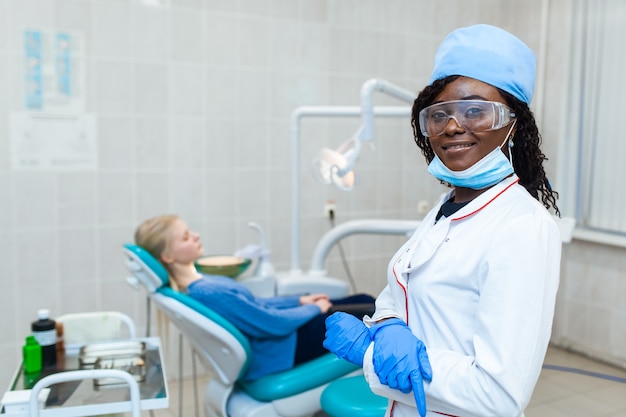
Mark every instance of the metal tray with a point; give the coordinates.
(135, 365)
(89, 354)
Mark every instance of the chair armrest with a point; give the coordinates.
(300, 378)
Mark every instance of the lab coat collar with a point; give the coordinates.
(426, 240)
(484, 199)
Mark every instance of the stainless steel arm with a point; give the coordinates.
(365, 226)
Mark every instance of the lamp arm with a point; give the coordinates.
(367, 107)
(319, 111)
(296, 115)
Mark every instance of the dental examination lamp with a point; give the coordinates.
(336, 166)
(322, 111)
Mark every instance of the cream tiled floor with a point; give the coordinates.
(562, 392)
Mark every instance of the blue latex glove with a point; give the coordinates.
(400, 359)
(347, 337)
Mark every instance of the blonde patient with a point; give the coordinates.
(283, 331)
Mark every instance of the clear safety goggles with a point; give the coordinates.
(471, 115)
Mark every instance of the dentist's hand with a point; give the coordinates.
(347, 337)
(400, 359)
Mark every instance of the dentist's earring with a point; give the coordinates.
(511, 144)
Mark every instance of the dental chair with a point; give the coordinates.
(225, 352)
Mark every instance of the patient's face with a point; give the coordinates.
(183, 246)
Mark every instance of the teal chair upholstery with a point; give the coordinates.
(225, 351)
(352, 397)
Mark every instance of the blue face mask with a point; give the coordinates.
(490, 170)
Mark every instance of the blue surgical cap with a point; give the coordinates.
(488, 54)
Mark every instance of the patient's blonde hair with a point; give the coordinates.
(152, 235)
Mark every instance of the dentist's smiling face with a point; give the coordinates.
(458, 148)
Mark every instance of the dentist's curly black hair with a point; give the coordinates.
(527, 155)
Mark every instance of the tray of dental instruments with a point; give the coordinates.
(129, 356)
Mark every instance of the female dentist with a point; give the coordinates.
(463, 325)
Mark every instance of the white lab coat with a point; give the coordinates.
(480, 293)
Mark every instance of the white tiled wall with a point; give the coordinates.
(591, 313)
(193, 102)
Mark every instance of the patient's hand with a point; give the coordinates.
(324, 304)
(312, 298)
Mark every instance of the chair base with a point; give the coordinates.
(352, 396)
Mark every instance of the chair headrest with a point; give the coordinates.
(150, 272)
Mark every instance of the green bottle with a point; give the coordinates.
(31, 355)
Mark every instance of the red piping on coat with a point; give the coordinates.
(406, 307)
(487, 203)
